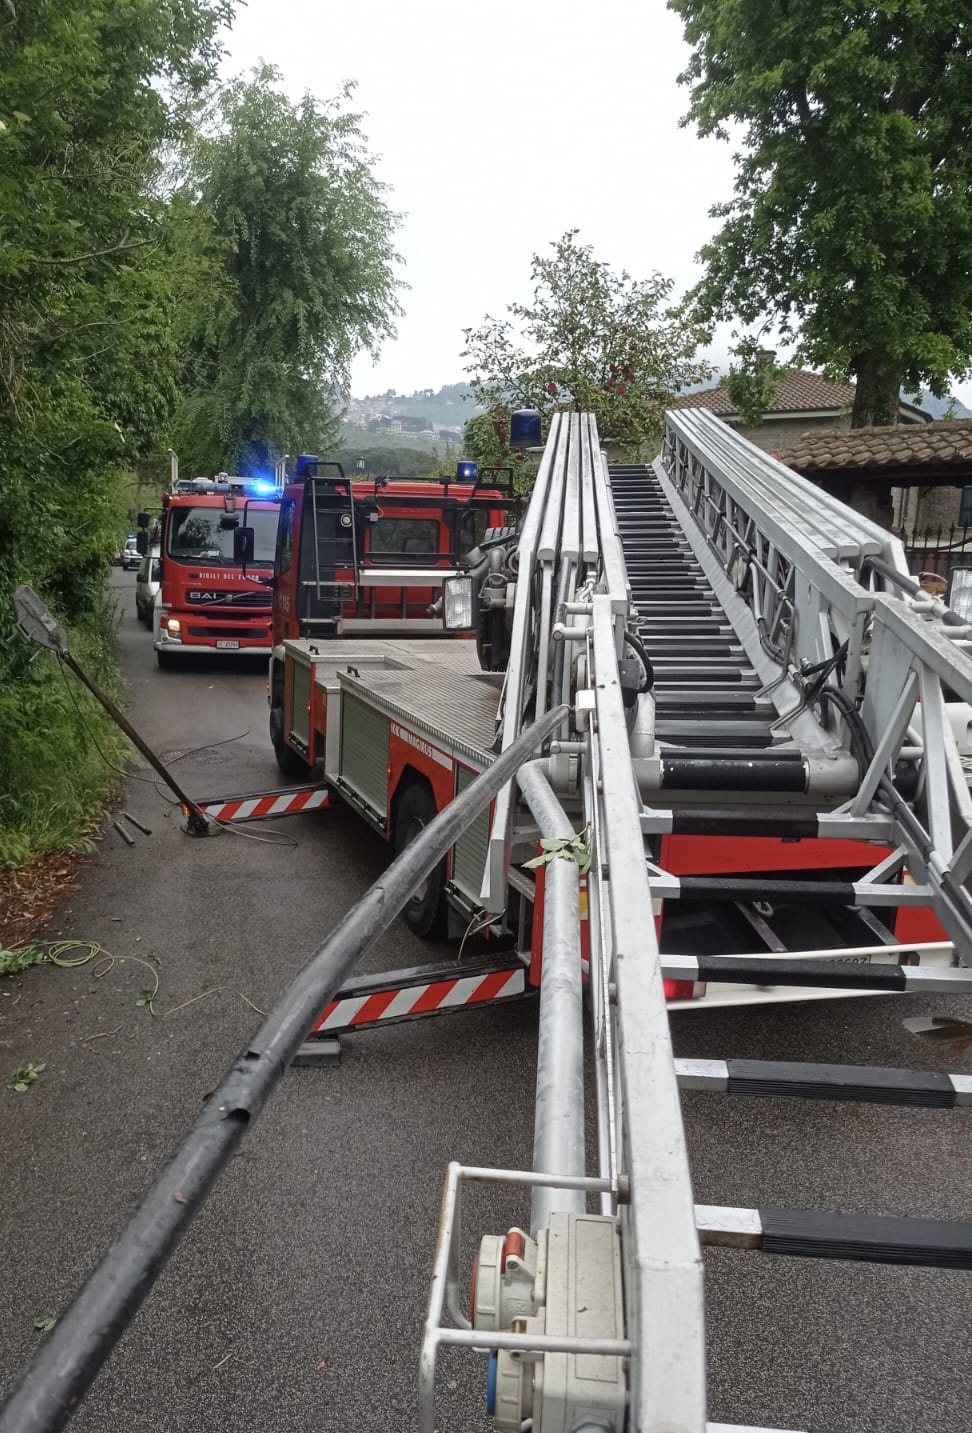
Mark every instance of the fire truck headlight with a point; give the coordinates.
(457, 604)
(173, 625)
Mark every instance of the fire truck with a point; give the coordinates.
(355, 557)
(397, 729)
(703, 742)
(207, 605)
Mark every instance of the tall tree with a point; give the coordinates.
(600, 341)
(852, 220)
(286, 242)
(90, 92)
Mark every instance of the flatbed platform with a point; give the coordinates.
(436, 687)
(458, 707)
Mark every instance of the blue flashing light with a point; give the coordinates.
(305, 462)
(262, 486)
(466, 472)
(525, 428)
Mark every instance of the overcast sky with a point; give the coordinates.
(499, 127)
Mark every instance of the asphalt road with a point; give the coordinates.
(295, 1302)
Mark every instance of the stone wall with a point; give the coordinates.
(925, 511)
(775, 434)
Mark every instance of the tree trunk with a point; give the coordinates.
(877, 397)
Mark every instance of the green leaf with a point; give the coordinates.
(25, 1076)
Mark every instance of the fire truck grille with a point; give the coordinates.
(228, 601)
(243, 633)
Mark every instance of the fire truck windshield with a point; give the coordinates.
(197, 532)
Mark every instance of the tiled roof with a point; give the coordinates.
(801, 391)
(933, 445)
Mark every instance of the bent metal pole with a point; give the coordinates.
(69, 1359)
(38, 625)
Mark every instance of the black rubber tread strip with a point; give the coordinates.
(867, 1238)
(864, 1083)
(824, 974)
(743, 888)
(770, 821)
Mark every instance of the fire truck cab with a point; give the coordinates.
(208, 603)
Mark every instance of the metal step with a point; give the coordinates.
(741, 733)
(864, 1238)
(858, 1084)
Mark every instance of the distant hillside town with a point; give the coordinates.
(436, 416)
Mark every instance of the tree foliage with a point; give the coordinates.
(752, 379)
(90, 93)
(852, 219)
(286, 242)
(593, 339)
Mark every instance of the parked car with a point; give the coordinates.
(131, 557)
(147, 585)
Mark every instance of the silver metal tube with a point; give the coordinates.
(558, 1138)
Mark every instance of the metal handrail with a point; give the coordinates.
(68, 1361)
(782, 552)
(660, 1248)
(521, 644)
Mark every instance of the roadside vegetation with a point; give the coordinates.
(142, 302)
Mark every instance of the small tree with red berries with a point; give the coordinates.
(591, 340)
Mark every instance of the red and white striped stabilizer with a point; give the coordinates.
(411, 994)
(267, 803)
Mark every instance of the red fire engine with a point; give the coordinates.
(208, 605)
(367, 557)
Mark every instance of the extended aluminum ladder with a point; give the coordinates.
(783, 670)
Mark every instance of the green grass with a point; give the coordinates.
(53, 782)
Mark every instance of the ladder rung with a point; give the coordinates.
(862, 1084)
(822, 974)
(865, 1238)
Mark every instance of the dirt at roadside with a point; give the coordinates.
(30, 894)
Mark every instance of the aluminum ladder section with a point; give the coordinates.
(642, 1183)
(852, 672)
(639, 1134)
(571, 609)
(560, 556)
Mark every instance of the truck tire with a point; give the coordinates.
(427, 912)
(288, 760)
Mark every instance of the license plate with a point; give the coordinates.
(228, 646)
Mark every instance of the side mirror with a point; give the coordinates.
(142, 543)
(157, 570)
(243, 545)
(143, 519)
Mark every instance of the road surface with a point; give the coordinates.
(295, 1302)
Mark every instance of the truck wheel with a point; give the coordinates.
(289, 761)
(427, 912)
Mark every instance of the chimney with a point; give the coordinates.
(765, 357)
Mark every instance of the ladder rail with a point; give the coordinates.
(780, 553)
(660, 1248)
